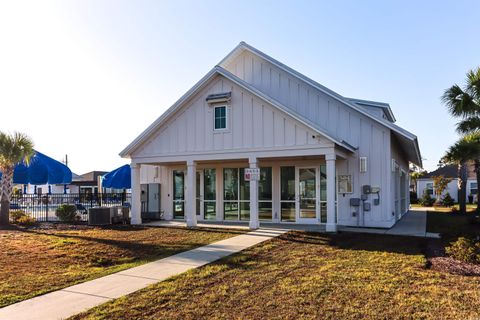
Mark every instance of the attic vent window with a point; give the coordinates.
(219, 97)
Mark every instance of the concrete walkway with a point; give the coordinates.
(81, 297)
(413, 224)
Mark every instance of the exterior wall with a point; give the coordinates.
(252, 125)
(452, 188)
(402, 163)
(339, 120)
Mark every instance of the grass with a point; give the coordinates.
(312, 276)
(33, 262)
(452, 225)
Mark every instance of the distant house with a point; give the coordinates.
(425, 184)
(255, 140)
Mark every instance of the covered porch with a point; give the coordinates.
(290, 190)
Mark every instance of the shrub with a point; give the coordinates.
(66, 212)
(26, 220)
(413, 197)
(426, 200)
(16, 214)
(447, 200)
(464, 250)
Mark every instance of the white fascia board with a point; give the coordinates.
(280, 106)
(153, 127)
(313, 83)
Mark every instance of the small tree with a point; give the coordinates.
(14, 148)
(440, 184)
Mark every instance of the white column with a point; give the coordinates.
(254, 224)
(190, 195)
(331, 175)
(136, 210)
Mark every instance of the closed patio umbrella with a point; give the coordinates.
(119, 178)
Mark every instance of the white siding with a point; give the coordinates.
(252, 123)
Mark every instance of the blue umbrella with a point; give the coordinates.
(119, 178)
(41, 170)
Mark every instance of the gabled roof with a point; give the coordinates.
(450, 171)
(402, 134)
(406, 138)
(375, 104)
(217, 70)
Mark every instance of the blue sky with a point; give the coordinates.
(84, 78)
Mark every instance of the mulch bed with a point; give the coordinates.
(438, 261)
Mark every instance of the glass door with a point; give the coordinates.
(209, 194)
(307, 209)
(178, 194)
(287, 194)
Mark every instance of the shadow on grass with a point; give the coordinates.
(358, 241)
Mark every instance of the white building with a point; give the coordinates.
(323, 159)
(426, 184)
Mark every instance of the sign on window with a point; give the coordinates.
(252, 174)
(344, 184)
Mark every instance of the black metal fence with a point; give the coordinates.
(42, 207)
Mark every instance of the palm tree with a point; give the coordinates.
(464, 150)
(14, 148)
(464, 103)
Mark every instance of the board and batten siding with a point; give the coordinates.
(252, 124)
(341, 121)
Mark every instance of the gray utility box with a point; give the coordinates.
(100, 216)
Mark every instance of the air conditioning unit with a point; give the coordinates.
(100, 216)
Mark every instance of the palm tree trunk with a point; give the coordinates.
(477, 171)
(6, 188)
(462, 187)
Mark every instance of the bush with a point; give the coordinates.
(447, 200)
(426, 200)
(66, 212)
(465, 250)
(413, 197)
(26, 221)
(16, 214)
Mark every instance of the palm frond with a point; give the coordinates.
(473, 85)
(468, 125)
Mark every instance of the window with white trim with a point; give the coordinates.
(473, 188)
(220, 118)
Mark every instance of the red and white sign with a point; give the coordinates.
(252, 174)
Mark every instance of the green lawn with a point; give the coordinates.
(452, 225)
(34, 262)
(309, 275)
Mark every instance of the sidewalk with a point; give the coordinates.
(413, 224)
(64, 303)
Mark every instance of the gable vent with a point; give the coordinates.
(219, 97)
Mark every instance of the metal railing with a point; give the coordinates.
(42, 207)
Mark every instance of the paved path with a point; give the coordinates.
(75, 299)
(413, 223)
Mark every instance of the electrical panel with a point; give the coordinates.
(375, 189)
(355, 202)
(366, 189)
(367, 206)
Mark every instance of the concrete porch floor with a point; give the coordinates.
(412, 224)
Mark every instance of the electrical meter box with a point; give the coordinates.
(355, 202)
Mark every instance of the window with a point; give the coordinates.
(473, 188)
(220, 118)
(429, 188)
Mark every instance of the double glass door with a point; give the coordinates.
(300, 194)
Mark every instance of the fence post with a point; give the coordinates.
(46, 211)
